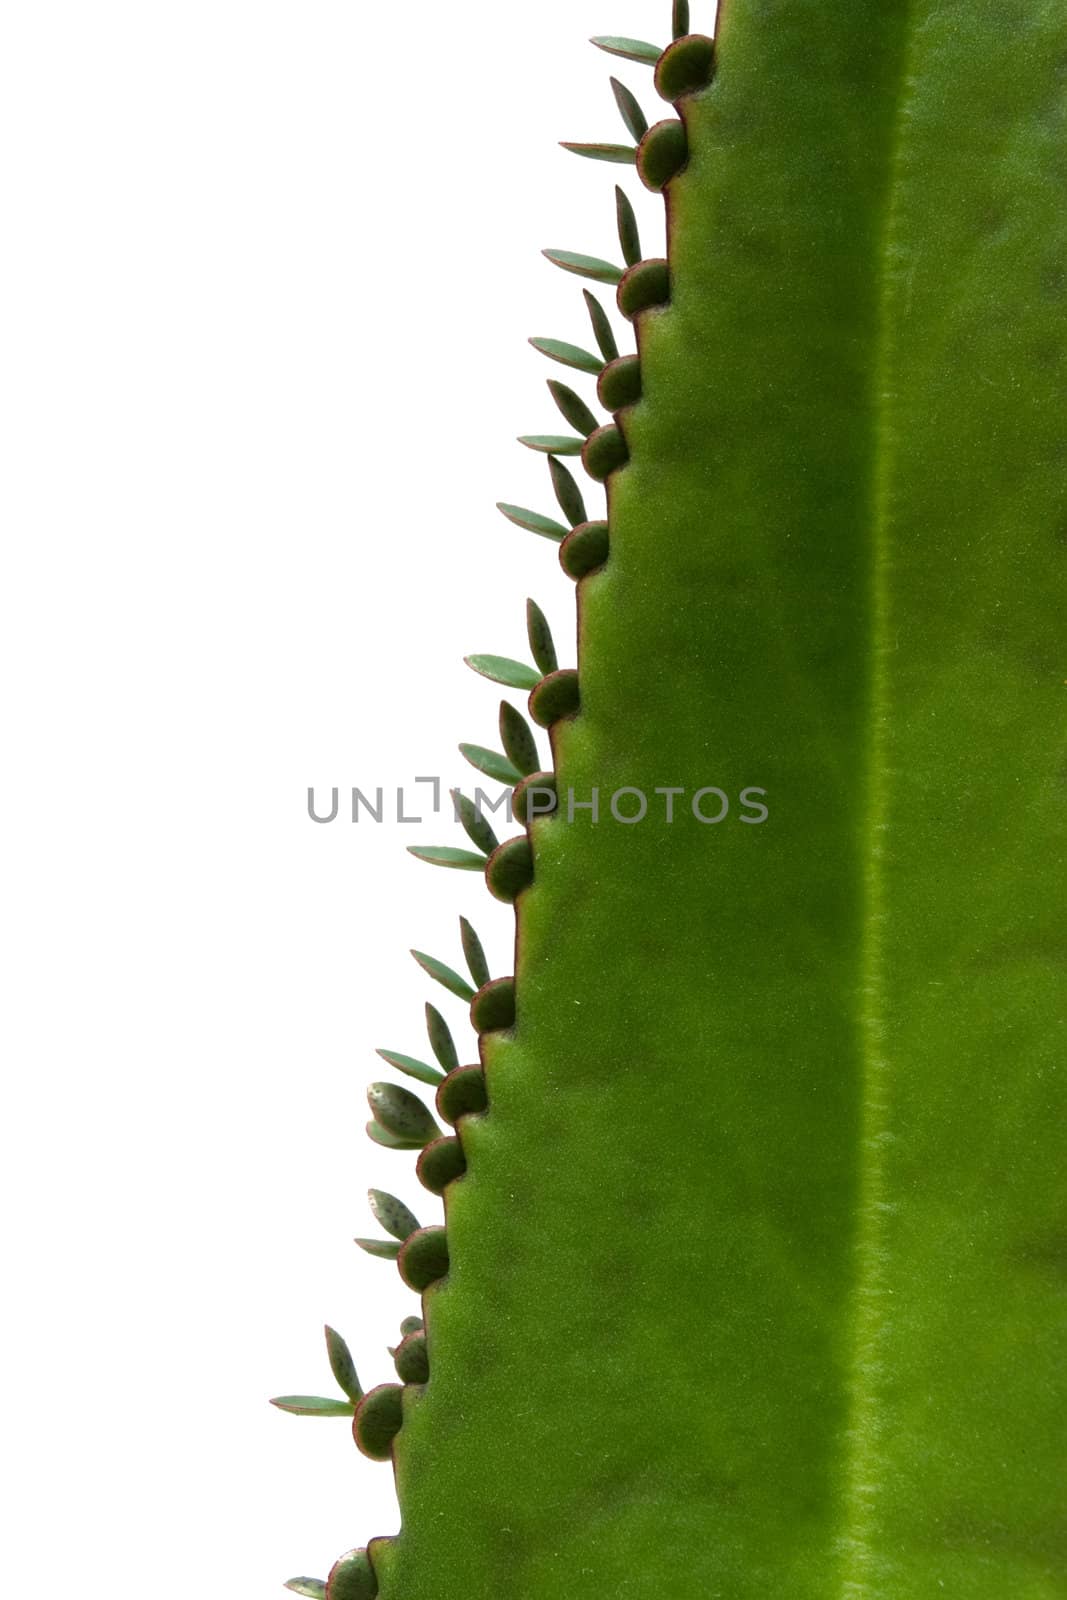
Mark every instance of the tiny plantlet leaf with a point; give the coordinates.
(629, 237)
(480, 834)
(440, 1037)
(585, 266)
(567, 492)
(518, 739)
(447, 856)
(681, 18)
(384, 1249)
(533, 520)
(491, 763)
(342, 1366)
(395, 1217)
(628, 49)
(619, 154)
(602, 330)
(401, 1113)
(572, 407)
(389, 1140)
(446, 976)
(311, 1588)
(313, 1405)
(542, 646)
(502, 669)
(552, 444)
(569, 355)
(411, 1065)
(473, 953)
(630, 110)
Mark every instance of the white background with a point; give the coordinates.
(269, 270)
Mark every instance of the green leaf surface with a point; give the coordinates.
(474, 954)
(569, 355)
(629, 235)
(477, 828)
(630, 110)
(447, 856)
(619, 154)
(629, 49)
(411, 1065)
(491, 763)
(312, 1588)
(447, 976)
(395, 1217)
(342, 1366)
(533, 520)
(585, 266)
(383, 1249)
(542, 645)
(602, 330)
(552, 444)
(802, 1082)
(312, 1405)
(441, 1042)
(503, 669)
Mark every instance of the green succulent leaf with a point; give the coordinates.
(312, 1588)
(573, 408)
(395, 1217)
(473, 953)
(518, 739)
(389, 1140)
(569, 355)
(585, 266)
(567, 492)
(412, 1066)
(447, 856)
(444, 975)
(502, 669)
(629, 236)
(532, 520)
(630, 110)
(629, 49)
(491, 763)
(542, 645)
(602, 330)
(552, 444)
(681, 19)
(313, 1405)
(383, 1249)
(477, 829)
(440, 1037)
(619, 154)
(342, 1366)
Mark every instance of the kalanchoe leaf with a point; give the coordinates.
(567, 492)
(503, 669)
(401, 1113)
(411, 1065)
(448, 977)
(411, 1325)
(384, 1249)
(629, 49)
(440, 1037)
(342, 1366)
(313, 1588)
(478, 832)
(473, 953)
(572, 408)
(605, 338)
(533, 520)
(494, 765)
(629, 109)
(681, 19)
(313, 1405)
(620, 154)
(569, 355)
(629, 237)
(395, 1217)
(585, 266)
(518, 738)
(445, 855)
(552, 444)
(542, 647)
(390, 1141)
